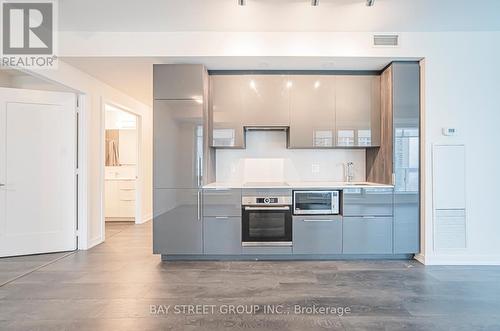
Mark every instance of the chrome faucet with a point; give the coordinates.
(349, 171)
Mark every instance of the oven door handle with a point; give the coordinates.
(268, 208)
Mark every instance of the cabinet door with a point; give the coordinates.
(177, 222)
(111, 198)
(358, 111)
(222, 235)
(222, 202)
(406, 113)
(178, 81)
(178, 143)
(368, 202)
(266, 100)
(367, 235)
(312, 111)
(227, 111)
(317, 235)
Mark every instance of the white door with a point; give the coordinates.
(37, 172)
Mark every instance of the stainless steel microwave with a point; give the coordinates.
(316, 202)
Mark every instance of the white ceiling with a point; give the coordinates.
(134, 75)
(279, 15)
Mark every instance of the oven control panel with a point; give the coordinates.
(282, 200)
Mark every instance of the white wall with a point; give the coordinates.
(96, 95)
(461, 89)
(266, 159)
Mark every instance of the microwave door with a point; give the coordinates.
(313, 202)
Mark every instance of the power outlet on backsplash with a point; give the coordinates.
(315, 168)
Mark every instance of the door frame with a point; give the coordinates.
(80, 153)
(139, 192)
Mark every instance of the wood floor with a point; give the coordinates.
(120, 285)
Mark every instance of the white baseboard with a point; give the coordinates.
(145, 218)
(94, 242)
(420, 258)
(461, 260)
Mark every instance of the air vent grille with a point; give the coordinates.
(386, 40)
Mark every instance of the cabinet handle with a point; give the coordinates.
(313, 220)
(268, 208)
(200, 180)
(199, 205)
(221, 217)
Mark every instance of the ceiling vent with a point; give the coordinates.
(386, 40)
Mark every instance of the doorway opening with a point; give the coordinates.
(121, 165)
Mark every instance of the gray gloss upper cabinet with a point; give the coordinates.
(179, 81)
(266, 100)
(178, 143)
(227, 111)
(358, 110)
(312, 111)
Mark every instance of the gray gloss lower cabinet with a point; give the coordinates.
(317, 234)
(222, 202)
(177, 225)
(222, 235)
(367, 235)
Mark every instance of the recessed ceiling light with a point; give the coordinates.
(314, 2)
(369, 3)
(242, 2)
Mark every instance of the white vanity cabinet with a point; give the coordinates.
(120, 198)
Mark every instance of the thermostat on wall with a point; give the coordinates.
(450, 131)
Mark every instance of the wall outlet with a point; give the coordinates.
(315, 168)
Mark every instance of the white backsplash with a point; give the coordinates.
(266, 159)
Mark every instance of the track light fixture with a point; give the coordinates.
(314, 3)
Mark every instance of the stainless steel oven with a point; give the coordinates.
(316, 202)
(267, 221)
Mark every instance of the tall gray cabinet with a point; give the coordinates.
(397, 160)
(406, 156)
(180, 157)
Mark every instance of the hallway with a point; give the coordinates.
(121, 285)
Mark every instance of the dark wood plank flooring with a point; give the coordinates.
(120, 285)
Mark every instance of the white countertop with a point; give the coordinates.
(120, 178)
(296, 185)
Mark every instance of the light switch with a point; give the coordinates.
(450, 131)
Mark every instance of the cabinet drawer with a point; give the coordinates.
(367, 235)
(222, 235)
(368, 202)
(223, 202)
(267, 250)
(317, 235)
(126, 185)
(126, 195)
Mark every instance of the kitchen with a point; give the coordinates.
(286, 165)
